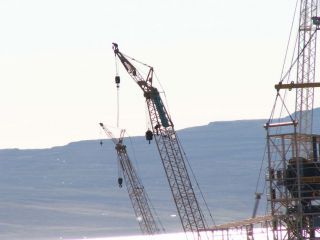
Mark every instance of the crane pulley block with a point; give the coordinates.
(149, 135)
(117, 80)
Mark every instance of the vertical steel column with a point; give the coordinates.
(306, 69)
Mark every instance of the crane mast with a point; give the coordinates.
(293, 148)
(307, 42)
(169, 148)
(136, 191)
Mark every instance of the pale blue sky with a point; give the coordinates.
(216, 59)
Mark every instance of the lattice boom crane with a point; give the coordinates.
(137, 193)
(169, 148)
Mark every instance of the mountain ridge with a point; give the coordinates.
(71, 191)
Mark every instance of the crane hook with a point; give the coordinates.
(149, 135)
(120, 180)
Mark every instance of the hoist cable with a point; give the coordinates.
(285, 106)
(260, 171)
(133, 59)
(299, 54)
(133, 152)
(155, 213)
(187, 160)
(120, 170)
(288, 43)
(273, 108)
(118, 107)
(164, 93)
(116, 64)
(117, 78)
(137, 168)
(147, 119)
(195, 179)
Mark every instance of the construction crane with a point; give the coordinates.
(293, 149)
(138, 196)
(170, 150)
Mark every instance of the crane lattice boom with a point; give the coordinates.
(137, 193)
(169, 148)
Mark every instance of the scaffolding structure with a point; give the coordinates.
(294, 184)
(249, 229)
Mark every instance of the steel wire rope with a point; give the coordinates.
(133, 152)
(154, 157)
(147, 119)
(147, 196)
(164, 93)
(260, 170)
(188, 162)
(201, 193)
(118, 90)
(118, 106)
(197, 183)
(133, 59)
(299, 54)
(147, 123)
(275, 102)
(119, 168)
(264, 154)
(283, 106)
(286, 108)
(288, 43)
(282, 78)
(287, 75)
(285, 59)
(285, 92)
(157, 78)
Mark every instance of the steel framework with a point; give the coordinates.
(136, 191)
(294, 185)
(293, 151)
(169, 148)
(306, 69)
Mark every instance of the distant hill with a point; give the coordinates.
(71, 191)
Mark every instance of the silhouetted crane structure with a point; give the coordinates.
(169, 148)
(293, 150)
(137, 193)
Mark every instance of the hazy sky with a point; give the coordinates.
(216, 60)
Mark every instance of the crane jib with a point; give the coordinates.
(160, 107)
(169, 149)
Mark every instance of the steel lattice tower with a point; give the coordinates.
(293, 149)
(170, 150)
(137, 193)
(306, 69)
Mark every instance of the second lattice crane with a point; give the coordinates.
(138, 196)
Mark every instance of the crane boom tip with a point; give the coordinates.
(115, 46)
